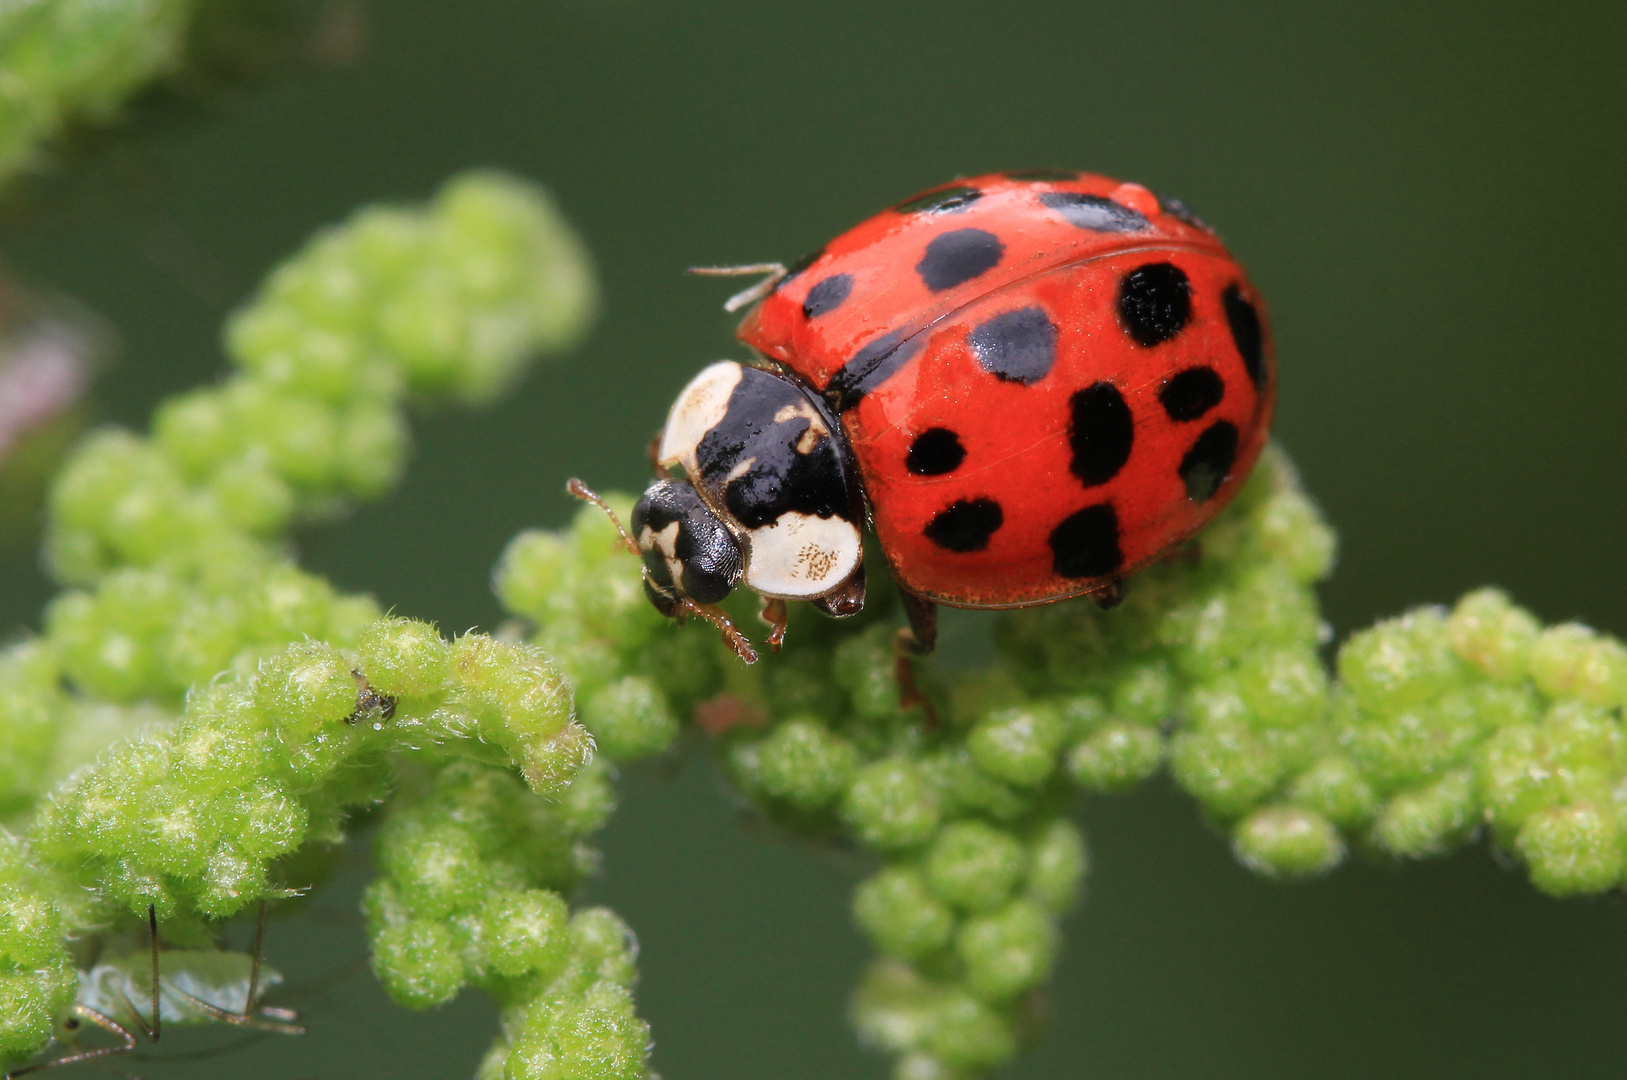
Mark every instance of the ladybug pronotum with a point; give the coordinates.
(1029, 384)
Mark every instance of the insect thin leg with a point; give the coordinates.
(731, 633)
(153, 1030)
(106, 1023)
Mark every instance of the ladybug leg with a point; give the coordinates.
(776, 273)
(732, 637)
(660, 470)
(1108, 596)
(922, 636)
(774, 614)
(916, 640)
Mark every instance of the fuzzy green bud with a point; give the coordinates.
(1575, 661)
(1007, 951)
(1492, 634)
(901, 914)
(1427, 821)
(1572, 849)
(630, 719)
(1287, 841)
(891, 804)
(975, 866)
(1116, 757)
(1335, 788)
(403, 657)
(1018, 745)
(1057, 862)
(418, 962)
(1401, 662)
(521, 932)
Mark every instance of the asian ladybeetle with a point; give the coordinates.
(1030, 384)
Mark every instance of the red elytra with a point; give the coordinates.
(1048, 379)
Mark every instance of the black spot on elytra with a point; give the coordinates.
(966, 525)
(799, 266)
(1207, 465)
(1189, 394)
(827, 295)
(704, 546)
(1097, 213)
(1100, 432)
(957, 257)
(1245, 323)
(1057, 175)
(1086, 544)
(870, 367)
(1018, 346)
(958, 197)
(934, 452)
(1178, 210)
(786, 472)
(1155, 302)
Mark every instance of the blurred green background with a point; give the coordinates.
(1430, 198)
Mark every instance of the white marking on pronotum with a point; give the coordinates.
(700, 407)
(816, 425)
(801, 556)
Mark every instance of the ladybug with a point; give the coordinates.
(1028, 384)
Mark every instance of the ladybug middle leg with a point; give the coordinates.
(918, 639)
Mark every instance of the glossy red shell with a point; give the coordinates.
(1020, 438)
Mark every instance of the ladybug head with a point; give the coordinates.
(688, 553)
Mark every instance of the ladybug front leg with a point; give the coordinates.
(916, 640)
(774, 614)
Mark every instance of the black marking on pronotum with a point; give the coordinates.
(1086, 543)
(965, 525)
(1189, 394)
(956, 257)
(934, 452)
(1155, 302)
(799, 266)
(1178, 210)
(1207, 465)
(1018, 346)
(1100, 433)
(827, 295)
(942, 200)
(704, 547)
(1244, 321)
(1058, 175)
(1097, 213)
(787, 466)
(870, 367)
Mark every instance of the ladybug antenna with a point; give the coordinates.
(586, 494)
(776, 273)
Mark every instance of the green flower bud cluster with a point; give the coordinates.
(473, 872)
(635, 673)
(977, 857)
(68, 59)
(191, 815)
(37, 977)
(188, 816)
(1438, 723)
(448, 300)
(183, 744)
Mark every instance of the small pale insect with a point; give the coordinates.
(144, 990)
